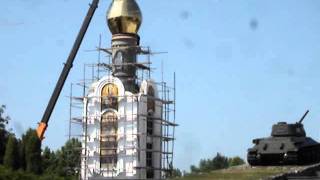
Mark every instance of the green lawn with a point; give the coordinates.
(238, 174)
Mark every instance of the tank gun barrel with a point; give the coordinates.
(304, 116)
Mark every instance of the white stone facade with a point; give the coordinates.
(128, 145)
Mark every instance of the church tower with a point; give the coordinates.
(125, 117)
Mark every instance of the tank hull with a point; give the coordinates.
(303, 156)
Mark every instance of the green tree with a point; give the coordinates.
(205, 165)
(33, 152)
(46, 159)
(22, 151)
(11, 157)
(3, 132)
(4, 120)
(236, 161)
(49, 161)
(194, 169)
(176, 173)
(69, 158)
(219, 162)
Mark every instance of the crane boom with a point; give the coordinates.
(65, 72)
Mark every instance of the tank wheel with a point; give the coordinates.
(290, 158)
(253, 159)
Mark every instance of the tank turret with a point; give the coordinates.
(282, 129)
(288, 144)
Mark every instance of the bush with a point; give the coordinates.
(7, 174)
(23, 160)
(218, 162)
(236, 161)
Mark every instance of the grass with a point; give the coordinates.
(237, 174)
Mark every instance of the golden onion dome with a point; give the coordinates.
(124, 16)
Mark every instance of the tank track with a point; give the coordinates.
(305, 156)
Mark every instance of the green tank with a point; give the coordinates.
(288, 145)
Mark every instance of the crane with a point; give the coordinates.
(43, 125)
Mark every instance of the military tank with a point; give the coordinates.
(288, 145)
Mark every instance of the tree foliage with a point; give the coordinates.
(69, 158)
(49, 161)
(216, 163)
(194, 169)
(33, 152)
(72, 151)
(8, 174)
(220, 162)
(11, 157)
(236, 161)
(4, 120)
(22, 151)
(176, 173)
(23, 158)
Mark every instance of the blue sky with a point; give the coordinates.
(241, 65)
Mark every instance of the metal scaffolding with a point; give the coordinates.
(79, 121)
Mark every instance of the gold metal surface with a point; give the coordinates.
(109, 96)
(124, 16)
(109, 90)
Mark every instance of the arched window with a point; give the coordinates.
(108, 143)
(109, 96)
(150, 110)
(118, 61)
(151, 100)
(150, 126)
